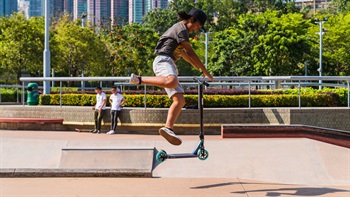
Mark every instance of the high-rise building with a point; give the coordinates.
(160, 4)
(57, 8)
(7, 7)
(314, 4)
(36, 8)
(139, 8)
(119, 11)
(68, 7)
(23, 6)
(79, 7)
(99, 11)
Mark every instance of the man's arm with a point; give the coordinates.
(193, 59)
(103, 104)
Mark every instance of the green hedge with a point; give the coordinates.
(10, 95)
(162, 101)
(327, 97)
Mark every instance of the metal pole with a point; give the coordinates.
(53, 75)
(23, 93)
(144, 98)
(206, 50)
(200, 106)
(299, 98)
(249, 95)
(60, 93)
(17, 93)
(320, 69)
(47, 49)
(348, 95)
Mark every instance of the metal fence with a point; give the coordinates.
(274, 82)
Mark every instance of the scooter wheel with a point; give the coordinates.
(202, 154)
(161, 156)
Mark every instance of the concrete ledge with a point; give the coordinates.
(23, 172)
(31, 120)
(141, 120)
(332, 136)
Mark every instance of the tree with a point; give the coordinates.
(261, 44)
(160, 19)
(76, 50)
(283, 46)
(341, 6)
(131, 49)
(335, 43)
(21, 45)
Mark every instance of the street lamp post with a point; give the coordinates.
(206, 42)
(47, 49)
(83, 16)
(320, 33)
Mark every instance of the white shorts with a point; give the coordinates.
(164, 65)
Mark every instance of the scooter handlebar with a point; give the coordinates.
(201, 82)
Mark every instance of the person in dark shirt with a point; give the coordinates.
(173, 45)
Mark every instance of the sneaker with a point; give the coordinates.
(94, 131)
(111, 132)
(134, 79)
(170, 136)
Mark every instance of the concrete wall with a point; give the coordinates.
(140, 119)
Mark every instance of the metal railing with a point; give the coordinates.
(10, 86)
(250, 81)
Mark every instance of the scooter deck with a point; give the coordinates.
(181, 155)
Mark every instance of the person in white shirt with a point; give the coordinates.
(99, 108)
(117, 102)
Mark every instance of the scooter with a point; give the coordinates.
(199, 151)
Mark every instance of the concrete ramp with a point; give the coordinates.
(136, 161)
(288, 160)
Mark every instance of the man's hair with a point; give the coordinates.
(114, 87)
(98, 88)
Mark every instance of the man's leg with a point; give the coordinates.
(96, 119)
(99, 119)
(115, 120)
(112, 119)
(175, 109)
(170, 81)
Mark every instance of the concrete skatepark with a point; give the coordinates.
(235, 167)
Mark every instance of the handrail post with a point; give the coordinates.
(348, 95)
(23, 93)
(299, 97)
(17, 93)
(144, 98)
(249, 97)
(60, 93)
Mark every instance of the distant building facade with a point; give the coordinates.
(7, 7)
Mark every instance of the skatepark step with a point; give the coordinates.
(331, 136)
(125, 161)
(31, 120)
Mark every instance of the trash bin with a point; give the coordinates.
(32, 94)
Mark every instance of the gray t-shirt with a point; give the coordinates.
(169, 42)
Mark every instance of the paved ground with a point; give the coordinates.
(101, 187)
(235, 167)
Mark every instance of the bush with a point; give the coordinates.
(10, 95)
(163, 101)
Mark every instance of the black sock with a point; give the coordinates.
(170, 129)
(139, 77)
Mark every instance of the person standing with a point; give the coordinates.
(173, 45)
(99, 108)
(117, 102)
